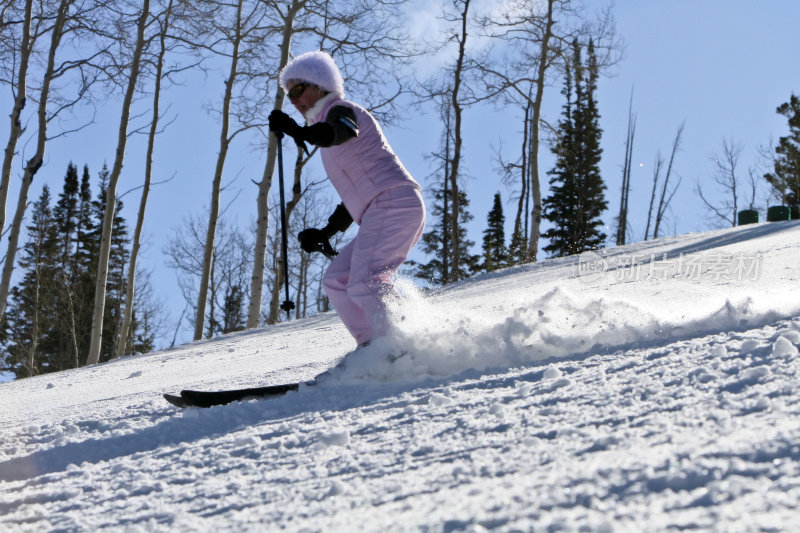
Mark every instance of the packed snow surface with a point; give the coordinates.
(650, 387)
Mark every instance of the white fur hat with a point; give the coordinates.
(317, 68)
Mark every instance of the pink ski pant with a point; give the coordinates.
(358, 281)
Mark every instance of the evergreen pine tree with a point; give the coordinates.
(66, 216)
(785, 178)
(141, 337)
(433, 245)
(85, 249)
(495, 253)
(31, 311)
(577, 190)
(559, 208)
(518, 248)
(468, 263)
(592, 185)
(233, 318)
(84, 267)
(115, 287)
(48, 320)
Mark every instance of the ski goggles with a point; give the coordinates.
(297, 91)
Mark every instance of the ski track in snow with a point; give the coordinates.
(635, 398)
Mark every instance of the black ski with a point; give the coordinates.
(196, 398)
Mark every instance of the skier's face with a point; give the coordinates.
(303, 95)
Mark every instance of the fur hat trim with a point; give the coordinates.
(316, 109)
(316, 67)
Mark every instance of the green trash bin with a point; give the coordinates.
(778, 213)
(748, 216)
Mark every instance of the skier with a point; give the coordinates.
(376, 190)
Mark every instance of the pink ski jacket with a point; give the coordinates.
(365, 166)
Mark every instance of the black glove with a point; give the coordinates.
(340, 220)
(314, 240)
(318, 240)
(280, 123)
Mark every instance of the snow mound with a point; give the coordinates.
(531, 399)
(435, 338)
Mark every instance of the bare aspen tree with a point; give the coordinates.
(56, 85)
(517, 172)
(111, 191)
(725, 163)
(262, 202)
(224, 144)
(523, 205)
(445, 192)
(525, 26)
(535, 36)
(659, 164)
(20, 57)
(52, 71)
(309, 267)
(241, 35)
(164, 20)
(666, 193)
(452, 92)
(622, 219)
(446, 110)
(753, 180)
(246, 43)
(230, 264)
(455, 162)
(536, 116)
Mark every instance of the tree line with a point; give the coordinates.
(48, 318)
(61, 57)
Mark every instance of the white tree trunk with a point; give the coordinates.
(224, 145)
(16, 130)
(35, 162)
(533, 158)
(262, 230)
(111, 194)
(137, 235)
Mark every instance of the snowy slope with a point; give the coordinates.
(651, 387)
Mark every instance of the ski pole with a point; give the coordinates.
(287, 304)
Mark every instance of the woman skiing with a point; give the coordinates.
(377, 192)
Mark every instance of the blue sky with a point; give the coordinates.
(722, 66)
